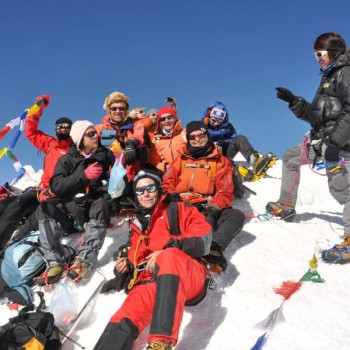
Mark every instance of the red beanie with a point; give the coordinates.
(167, 109)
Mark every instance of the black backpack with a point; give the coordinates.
(30, 331)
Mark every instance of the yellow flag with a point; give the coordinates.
(3, 151)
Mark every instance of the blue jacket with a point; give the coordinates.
(222, 134)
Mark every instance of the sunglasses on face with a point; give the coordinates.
(199, 136)
(138, 112)
(149, 188)
(91, 134)
(113, 109)
(320, 54)
(62, 126)
(216, 120)
(168, 117)
(154, 115)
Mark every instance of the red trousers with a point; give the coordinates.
(179, 278)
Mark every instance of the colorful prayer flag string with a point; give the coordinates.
(286, 290)
(39, 105)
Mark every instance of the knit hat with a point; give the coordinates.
(167, 109)
(151, 111)
(63, 120)
(147, 173)
(194, 126)
(78, 130)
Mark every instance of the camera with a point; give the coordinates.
(169, 100)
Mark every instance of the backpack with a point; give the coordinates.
(30, 331)
(20, 263)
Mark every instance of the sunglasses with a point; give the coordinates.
(149, 188)
(199, 136)
(113, 109)
(140, 112)
(320, 54)
(216, 120)
(154, 115)
(63, 126)
(168, 117)
(91, 134)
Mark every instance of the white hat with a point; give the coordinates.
(78, 130)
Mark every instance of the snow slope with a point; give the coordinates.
(261, 257)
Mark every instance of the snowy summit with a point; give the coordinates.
(240, 305)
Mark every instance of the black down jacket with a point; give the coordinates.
(329, 112)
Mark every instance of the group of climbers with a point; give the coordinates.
(73, 197)
(181, 182)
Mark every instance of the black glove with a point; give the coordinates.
(117, 283)
(130, 151)
(285, 95)
(331, 154)
(212, 215)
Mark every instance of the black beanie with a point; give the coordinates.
(194, 126)
(63, 120)
(147, 173)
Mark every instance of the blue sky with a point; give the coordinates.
(197, 51)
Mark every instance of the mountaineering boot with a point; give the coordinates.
(52, 274)
(261, 163)
(160, 345)
(79, 269)
(339, 254)
(246, 174)
(284, 212)
(216, 259)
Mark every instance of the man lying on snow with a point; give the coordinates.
(161, 271)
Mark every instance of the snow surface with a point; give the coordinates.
(261, 257)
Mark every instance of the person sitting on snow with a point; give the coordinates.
(80, 182)
(23, 205)
(202, 176)
(223, 133)
(160, 270)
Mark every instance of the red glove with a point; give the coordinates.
(93, 171)
(45, 195)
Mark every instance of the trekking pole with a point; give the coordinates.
(249, 190)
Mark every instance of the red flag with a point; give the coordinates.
(287, 289)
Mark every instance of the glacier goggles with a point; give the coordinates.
(62, 126)
(149, 188)
(168, 117)
(91, 134)
(321, 53)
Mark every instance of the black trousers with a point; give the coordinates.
(13, 211)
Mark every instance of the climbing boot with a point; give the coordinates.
(52, 274)
(79, 269)
(284, 212)
(339, 254)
